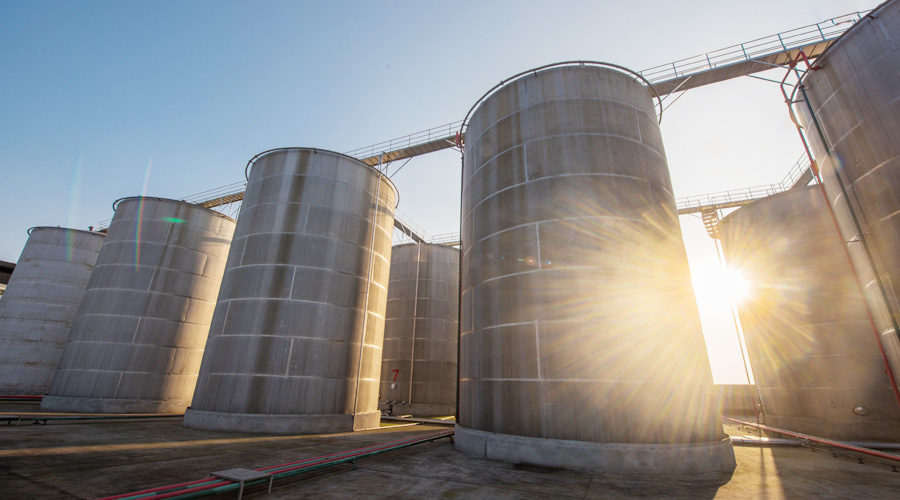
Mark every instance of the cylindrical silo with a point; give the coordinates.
(418, 368)
(295, 343)
(580, 342)
(138, 338)
(855, 95)
(40, 303)
(815, 357)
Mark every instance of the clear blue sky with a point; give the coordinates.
(96, 97)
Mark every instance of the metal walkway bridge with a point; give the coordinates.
(724, 64)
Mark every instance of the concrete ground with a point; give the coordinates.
(95, 459)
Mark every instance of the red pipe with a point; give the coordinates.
(263, 469)
(308, 463)
(22, 397)
(827, 442)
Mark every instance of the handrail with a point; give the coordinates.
(746, 194)
(754, 49)
(406, 141)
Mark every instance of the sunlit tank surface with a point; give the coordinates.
(856, 98)
(813, 352)
(418, 369)
(580, 338)
(138, 338)
(40, 303)
(295, 344)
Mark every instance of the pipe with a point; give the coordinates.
(827, 442)
(203, 487)
(21, 398)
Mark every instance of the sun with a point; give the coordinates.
(717, 284)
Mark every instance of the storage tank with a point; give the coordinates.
(295, 344)
(137, 341)
(418, 369)
(855, 95)
(814, 355)
(580, 342)
(40, 303)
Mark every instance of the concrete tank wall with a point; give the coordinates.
(814, 354)
(418, 369)
(580, 338)
(139, 335)
(295, 344)
(856, 99)
(40, 303)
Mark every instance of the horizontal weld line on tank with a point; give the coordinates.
(466, 183)
(134, 221)
(152, 292)
(525, 323)
(543, 179)
(535, 223)
(360, 277)
(300, 266)
(276, 375)
(138, 316)
(578, 380)
(331, 179)
(266, 299)
(530, 106)
(9, 298)
(39, 281)
(318, 339)
(532, 271)
(314, 236)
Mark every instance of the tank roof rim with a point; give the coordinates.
(515, 77)
(841, 37)
(32, 228)
(252, 161)
(115, 204)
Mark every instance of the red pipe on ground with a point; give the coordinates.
(816, 439)
(306, 462)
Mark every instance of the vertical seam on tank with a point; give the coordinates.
(369, 271)
(118, 383)
(637, 120)
(287, 365)
(412, 357)
(225, 321)
(136, 328)
(537, 349)
(884, 31)
(243, 251)
(293, 278)
(525, 160)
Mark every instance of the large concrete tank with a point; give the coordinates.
(815, 358)
(418, 369)
(295, 344)
(138, 339)
(580, 338)
(856, 99)
(40, 303)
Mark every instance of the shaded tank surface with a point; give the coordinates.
(295, 344)
(40, 303)
(580, 338)
(138, 338)
(813, 352)
(418, 369)
(856, 99)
